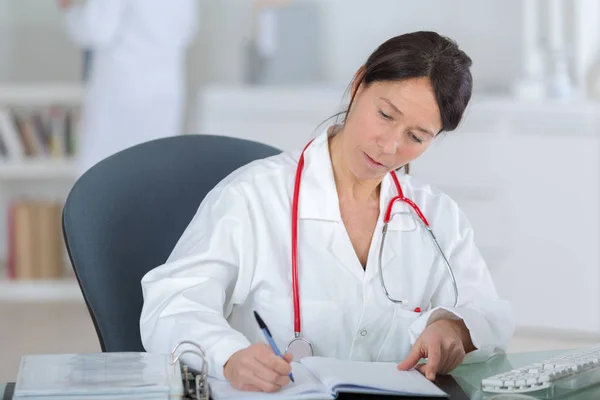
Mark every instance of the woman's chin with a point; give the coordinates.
(368, 174)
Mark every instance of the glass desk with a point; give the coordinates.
(469, 376)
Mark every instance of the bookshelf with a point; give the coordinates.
(37, 169)
(65, 289)
(41, 94)
(39, 176)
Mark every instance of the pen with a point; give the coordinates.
(265, 330)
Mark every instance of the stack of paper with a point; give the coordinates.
(98, 376)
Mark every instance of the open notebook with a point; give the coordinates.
(322, 378)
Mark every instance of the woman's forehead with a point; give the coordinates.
(413, 97)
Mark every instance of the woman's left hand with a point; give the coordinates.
(444, 343)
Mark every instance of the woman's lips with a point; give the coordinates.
(373, 162)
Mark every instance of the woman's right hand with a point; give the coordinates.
(257, 369)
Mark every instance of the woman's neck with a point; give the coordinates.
(349, 188)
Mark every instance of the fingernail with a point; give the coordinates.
(431, 376)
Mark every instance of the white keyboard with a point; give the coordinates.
(550, 378)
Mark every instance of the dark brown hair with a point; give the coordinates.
(423, 54)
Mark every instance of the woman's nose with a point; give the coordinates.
(388, 145)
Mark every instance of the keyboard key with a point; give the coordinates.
(493, 382)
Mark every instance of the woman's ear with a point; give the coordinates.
(357, 81)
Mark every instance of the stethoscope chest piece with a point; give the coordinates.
(299, 348)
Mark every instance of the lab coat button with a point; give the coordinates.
(363, 332)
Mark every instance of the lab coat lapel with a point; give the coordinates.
(386, 193)
(319, 201)
(318, 195)
(341, 248)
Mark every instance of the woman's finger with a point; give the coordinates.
(448, 355)
(434, 359)
(413, 357)
(249, 388)
(247, 376)
(269, 375)
(273, 362)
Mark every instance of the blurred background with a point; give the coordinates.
(524, 165)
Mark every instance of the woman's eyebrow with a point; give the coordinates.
(392, 105)
(425, 131)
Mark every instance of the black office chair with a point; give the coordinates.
(124, 216)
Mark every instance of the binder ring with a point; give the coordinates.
(202, 388)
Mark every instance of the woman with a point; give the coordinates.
(136, 87)
(235, 255)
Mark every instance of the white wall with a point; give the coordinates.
(352, 30)
(480, 28)
(31, 30)
(4, 42)
(489, 31)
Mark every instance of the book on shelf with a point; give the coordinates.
(35, 243)
(42, 132)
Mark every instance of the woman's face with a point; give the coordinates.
(389, 125)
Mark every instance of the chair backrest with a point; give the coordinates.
(124, 216)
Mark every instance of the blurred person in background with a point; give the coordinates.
(137, 85)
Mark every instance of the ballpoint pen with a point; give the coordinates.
(265, 330)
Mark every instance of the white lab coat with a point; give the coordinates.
(136, 90)
(234, 257)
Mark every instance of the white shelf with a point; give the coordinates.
(40, 290)
(42, 94)
(36, 169)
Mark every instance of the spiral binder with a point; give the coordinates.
(195, 384)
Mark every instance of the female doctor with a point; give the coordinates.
(356, 275)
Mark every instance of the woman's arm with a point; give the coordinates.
(93, 23)
(208, 272)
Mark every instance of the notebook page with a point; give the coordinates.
(370, 377)
(306, 387)
(97, 374)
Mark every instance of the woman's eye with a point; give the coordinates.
(415, 138)
(384, 115)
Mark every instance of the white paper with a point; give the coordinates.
(305, 387)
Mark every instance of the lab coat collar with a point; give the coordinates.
(318, 194)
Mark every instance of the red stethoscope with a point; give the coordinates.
(300, 347)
